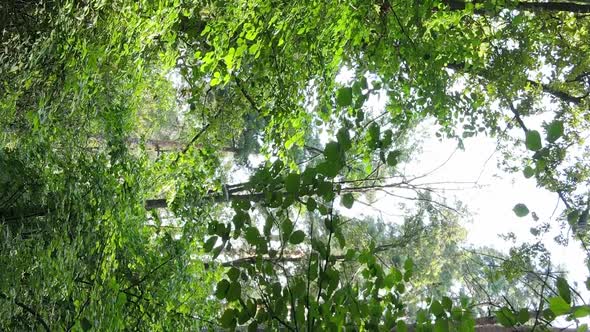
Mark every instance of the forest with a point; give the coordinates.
(208, 165)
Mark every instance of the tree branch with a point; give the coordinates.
(246, 94)
(30, 310)
(556, 93)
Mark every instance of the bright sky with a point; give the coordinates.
(490, 202)
(490, 197)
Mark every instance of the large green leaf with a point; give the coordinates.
(332, 151)
(233, 274)
(86, 324)
(343, 138)
(347, 200)
(528, 172)
(252, 235)
(506, 317)
(558, 306)
(292, 183)
(441, 325)
(222, 288)
(287, 228)
(228, 318)
(344, 97)
(297, 237)
(520, 210)
(311, 204)
(393, 158)
(554, 131)
(563, 289)
(533, 140)
(436, 308)
(208, 246)
(523, 316)
(234, 291)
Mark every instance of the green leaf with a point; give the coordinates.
(243, 316)
(436, 308)
(252, 235)
(344, 97)
(400, 288)
(287, 227)
(401, 326)
(572, 219)
(528, 172)
(217, 250)
(234, 292)
(533, 140)
(292, 183)
(228, 319)
(344, 138)
(554, 131)
(240, 204)
(240, 218)
(582, 328)
(441, 325)
(447, 303)
(387, 139)
(208, 246)
(392, 158)
(520, 210)
(253, 327)
(409, 264)
(319, 246)
(350, 254)
(467, 324)
(311, 204)
(548, 314)
(464, 301)
(558, 306)
(581, 311)
(221, 289)
(86, 324)
(506, 317)
(340, 237)
(308, 175)
(374, 131)
(332, 151)
(325, 188)
(563, 289)
(329, 168)
(523, 316)
(233, 274)
(347, 200)
(297, 237)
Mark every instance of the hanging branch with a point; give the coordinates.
(30, 310)
(195, 138)
(245, 93)
(149, 274)
(561, 95)
(541, 300)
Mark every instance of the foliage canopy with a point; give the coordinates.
(126, 126)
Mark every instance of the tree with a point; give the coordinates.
(101, 234)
